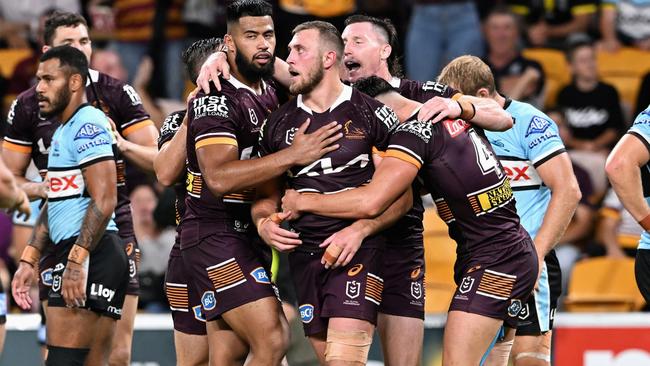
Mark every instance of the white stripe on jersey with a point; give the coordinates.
(522, 173)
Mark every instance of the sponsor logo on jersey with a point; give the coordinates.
(491, 198)
(260, 276)
(65, 183)
(114, 310)
(12, 112)
(456, 127)
(210, 106)
(355, 270)
(133, 95)
(537, 125)
(435, 86)
(306, 313)
(549, 134)
(198, 313)
(423, 130)
(46, 277)
(88, 131)
(514, 308)
(324, 166)
(387, 117)
(352, 289)
(208, 300)
(521, 173)
(99, 141)
(171, 124)
(98, 290)
(416, 273)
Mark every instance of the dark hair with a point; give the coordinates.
(70, 59)
(327, 33)
(247, 8)
(197, 53)
(373, 86)
(60, 19)
(386, 28)
(575, 41)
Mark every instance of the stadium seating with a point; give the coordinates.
(555, 68)
(603, 285)
(9, 58)
(624, 70)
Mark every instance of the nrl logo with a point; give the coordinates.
(466, 285)
(416, 290)
(290, 135)
(352, 289)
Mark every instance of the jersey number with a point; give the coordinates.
(484, 157)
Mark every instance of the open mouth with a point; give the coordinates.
(352, 66)
(263, 58)
(293, 73)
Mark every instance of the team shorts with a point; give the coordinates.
(404, 288)
(45, 267)
(227, 269)
(107, 279)
(353, 291)
(496, 284)
(183, 298)
(130, 245)
(536, 317)
(642, 272)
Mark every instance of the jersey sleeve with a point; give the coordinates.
(265, 144)
(92, 139)
(409, 142)
(212, 121)
(17, 137)
(541, 138)
(422, 92)
(131, 111)
(383, 124)
(170, 126)
(641, 127)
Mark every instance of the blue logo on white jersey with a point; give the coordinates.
(208, 300)
(306, 312)
(46, 277)
(260, 276)
(88, 131)
(198, 314)
(537, 125)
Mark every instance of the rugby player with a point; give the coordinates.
(546, 193)
(628, 171)
(496, 266)
(338, 306)
(87, 291)
(220, 247)
(28, 137)
(184, 301)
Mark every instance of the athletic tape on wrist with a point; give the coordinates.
(31, 256)
(78, 254)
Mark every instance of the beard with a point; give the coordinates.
(252, 72)
(58, 105)
(313, 78)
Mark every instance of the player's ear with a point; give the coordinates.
(483, 93)
(386, 50)
(75, 82)
(329, 59)
(227, 39)
(45, 48)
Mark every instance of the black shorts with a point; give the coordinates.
(642, 272)
(108, 276)
(536, 317)
(403, 282)
(45, 267)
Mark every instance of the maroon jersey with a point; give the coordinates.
(366, 126)
(170, 126)
(468, 185)
(232, 116)
(421, 92)
(29, 133)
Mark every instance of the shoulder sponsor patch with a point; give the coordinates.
(455, 127)
(88, 131)
(133, 95)
(387, 117)
(306, 313)
(537, 125)
(12, 112)
(423, 130)
(435, 86)
(171, 124)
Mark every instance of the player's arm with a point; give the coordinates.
(139, 145)
(557, 174)
(224, 173)
(263, 212)
(169, 163)
(485, 113)
(623, 170)
(17, 163)
(392, 178)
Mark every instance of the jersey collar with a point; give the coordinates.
(395, 82)
(346, 94)
(82, 105)
(239, 85)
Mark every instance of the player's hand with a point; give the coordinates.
(118, 138)
(345, 242)
(22, 205)
(73, 287)
(270, 231)
(21, 284)
(290, 204)
(309, 147)
(215, 65)
(437, 108)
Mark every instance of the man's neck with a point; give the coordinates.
(384, 73)
(500, 59)
(324, 94)
(255, 85)
(586, 84)
(71, 108)
(499, 99)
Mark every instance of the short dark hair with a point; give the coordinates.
(373, 86)
(247, 8)
(388, 31)
(60, 19)
(194, 56)
(70, 59)
(327, 33)
(575, 41)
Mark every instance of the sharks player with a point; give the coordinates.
(546, 192)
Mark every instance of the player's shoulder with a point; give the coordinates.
(172, 122)
(27, 104)
(529, 118)
(643, 119)
(215, 104)
(375, 109)
(89, 114)
(424, 130)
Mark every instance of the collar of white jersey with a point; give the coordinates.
(395, 82)
(345, 95)
(239, 85)
(94, 76)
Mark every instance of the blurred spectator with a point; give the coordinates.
(551, 21)
(516, 76)
(625, 22)
(592, 108)
(440, 31)
(617, 231)
(155, 242)
(643, 98)
(204, 18)
(19, 20)
(289, 13)
(109, 62)
(154, 28)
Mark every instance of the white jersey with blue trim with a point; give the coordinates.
(85, 139)
(532, 140)
(641, 129)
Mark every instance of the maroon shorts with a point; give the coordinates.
(45, 267)
(353, 291)
(496, 284)
(184, 301)
(403, 282)
(227, 270)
